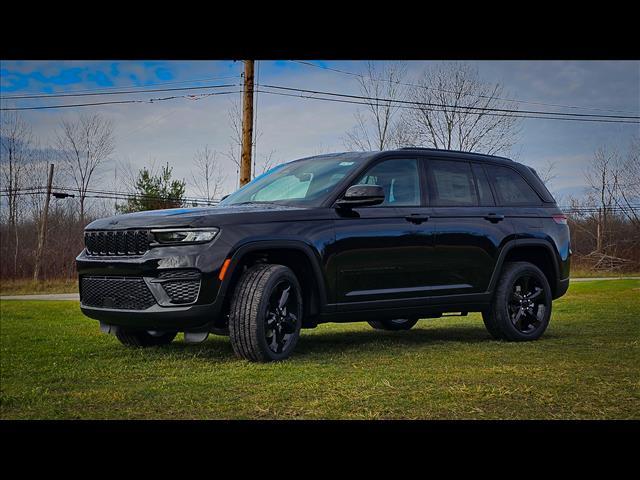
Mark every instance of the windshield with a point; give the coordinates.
(305, 182)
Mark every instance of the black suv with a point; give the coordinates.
(383, 237)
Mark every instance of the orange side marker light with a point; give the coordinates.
(223, 270)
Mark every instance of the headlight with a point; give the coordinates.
(184, 235)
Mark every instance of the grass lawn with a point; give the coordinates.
(28, 287)
(56, 364)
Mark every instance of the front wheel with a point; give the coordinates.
(521, 306)
(394, 325)
(266, 313)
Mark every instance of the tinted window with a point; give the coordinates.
(399, 179)
(510, 187)
(484, 190)
(452, 184)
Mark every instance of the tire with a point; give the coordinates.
(394, 325)
(259, 330)
(521, 305)
(142, 338)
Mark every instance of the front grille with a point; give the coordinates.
(117, 242)
(126, 293)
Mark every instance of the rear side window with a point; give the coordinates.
(484, 190)
(452, 184)
(510, 187)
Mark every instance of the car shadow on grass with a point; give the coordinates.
(333, 342)
(219, 348)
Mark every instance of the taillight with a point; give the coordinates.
(560, 219)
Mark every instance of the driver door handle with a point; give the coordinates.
(494, 218)
(417, 218)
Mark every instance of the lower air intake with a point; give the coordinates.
(126, 293)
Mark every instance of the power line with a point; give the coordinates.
(366, 103)
(127, 92)
(118, 102)
(363, 100)
(141, 89)
(442, 105)
(468, 94)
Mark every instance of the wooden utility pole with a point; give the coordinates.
(247, 124)
(43, 228)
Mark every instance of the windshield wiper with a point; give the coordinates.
(253, 202)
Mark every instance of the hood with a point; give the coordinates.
(198, 217)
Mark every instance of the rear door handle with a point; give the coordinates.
(417, 218)
(494, 218)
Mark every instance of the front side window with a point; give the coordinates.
(452, 184)
(305, 182)
(510, 187)
(399, 179)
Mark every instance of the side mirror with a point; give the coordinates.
(361, 196)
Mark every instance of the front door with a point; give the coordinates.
(380, 252)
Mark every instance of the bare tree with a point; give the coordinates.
(267, 163)
(451, 112)
(84, 145)
(208, 178)
(600, 178)
(234, 148)
(16, 140)
(626, 182)
(377, 126)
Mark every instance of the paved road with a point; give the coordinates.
(76, 297)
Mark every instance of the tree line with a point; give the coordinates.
(605, 222)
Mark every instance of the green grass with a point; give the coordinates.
(28, 287)
(55, 364)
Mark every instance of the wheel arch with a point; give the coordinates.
(296, 255)
(538, 252)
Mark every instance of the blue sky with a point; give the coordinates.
(171, 131)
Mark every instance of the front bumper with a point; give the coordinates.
(199, 315)
(192, 318)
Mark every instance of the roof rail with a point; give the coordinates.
(455, 151)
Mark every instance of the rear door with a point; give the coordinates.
(519, 200)
(470, 228)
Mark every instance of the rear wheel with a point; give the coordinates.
(142, 338)
(265, 314)
(395, 324)
(521, 306)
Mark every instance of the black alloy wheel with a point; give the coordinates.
(521, 306)
(282, 316)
